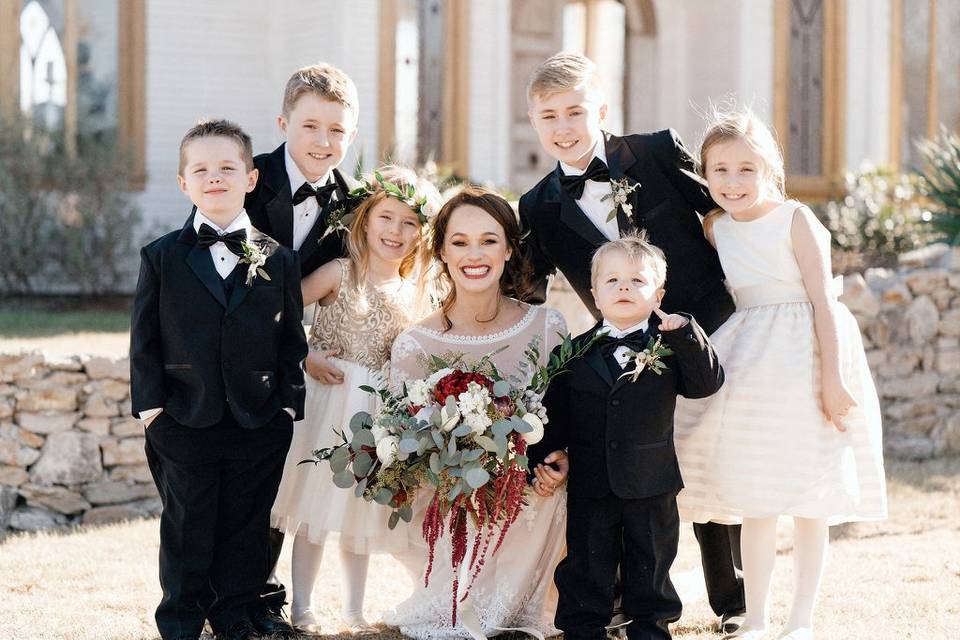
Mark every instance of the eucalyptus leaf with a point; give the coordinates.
(406, 513)
(339, 459)
(476, 477)
(501, 388)
(362, 438)
(361, 487)
(523, 462)
(384, 496)
(435, 462)
(473, 454)
(409, 445)
(362, 465)
(456, 491)
(485, 442)
(394, 519)
(451, 447)
(462, 430)
(437, 439)
(502, 427)
(521, 426)
(344, 479)
(501, 443)
(359, 420)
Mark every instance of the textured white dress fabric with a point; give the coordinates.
(761, 447)
(361, 324)
(515, 588)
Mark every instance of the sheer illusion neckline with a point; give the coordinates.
(509, 332)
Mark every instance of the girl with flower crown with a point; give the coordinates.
(365, 301)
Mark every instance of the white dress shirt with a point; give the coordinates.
(223, 259)
(621, 353)
(304, 214)
(590, 202)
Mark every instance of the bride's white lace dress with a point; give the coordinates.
(515, 588)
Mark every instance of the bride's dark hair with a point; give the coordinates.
(517, 277)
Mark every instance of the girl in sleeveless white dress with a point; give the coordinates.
(795, 430)
(515, 588)
(365, 302)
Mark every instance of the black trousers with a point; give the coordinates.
(722, 567)
(639, 536)
(217, 486)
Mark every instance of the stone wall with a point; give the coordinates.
(69, 451)
(910, 321)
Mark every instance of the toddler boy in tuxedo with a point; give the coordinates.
(573, 210)
(612, 412)
(215, 350)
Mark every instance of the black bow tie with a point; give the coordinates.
(208, 236)
(635, 341)
(322, 194)
(597, 171)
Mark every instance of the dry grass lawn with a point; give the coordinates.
(892, 580)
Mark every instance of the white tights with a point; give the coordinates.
(758, 547)
(306, 560)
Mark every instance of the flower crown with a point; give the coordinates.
(341, 218)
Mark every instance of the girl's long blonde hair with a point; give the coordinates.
(416, 266)
(730, 122)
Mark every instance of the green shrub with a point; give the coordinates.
(68, 222)
(882, 215)
(942, 173)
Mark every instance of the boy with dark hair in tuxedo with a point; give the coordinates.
(215, 349)
(612, 412)
(298, 186)
(605, 186)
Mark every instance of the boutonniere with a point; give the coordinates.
(649, 358)
(255, 254)
(620, 192)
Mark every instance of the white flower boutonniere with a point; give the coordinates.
(651, 358)
(255, 254)
(621, 190)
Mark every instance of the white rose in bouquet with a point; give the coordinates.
(534, 421)
(387, 450)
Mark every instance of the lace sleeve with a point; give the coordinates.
(403, 359)
(555, 330)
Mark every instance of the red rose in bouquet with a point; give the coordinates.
(453, 384)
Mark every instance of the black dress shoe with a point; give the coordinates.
(270, 622)
(242, 630)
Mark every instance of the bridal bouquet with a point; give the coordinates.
(464, 430)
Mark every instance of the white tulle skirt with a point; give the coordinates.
(308, 503)
(761, 446)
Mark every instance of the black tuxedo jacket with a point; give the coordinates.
(617, 433)
(194, 352)
(270, 207)
(561, 236)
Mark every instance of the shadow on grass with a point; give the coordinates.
(38, 316)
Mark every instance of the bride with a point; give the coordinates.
(476, 240)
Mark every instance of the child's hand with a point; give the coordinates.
(547, 478)
(837, 401)
(318, 366)
(670, 322)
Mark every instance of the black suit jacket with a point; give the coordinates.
(270, 207)
(617, 433)
(195, 352)
(561, 236)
